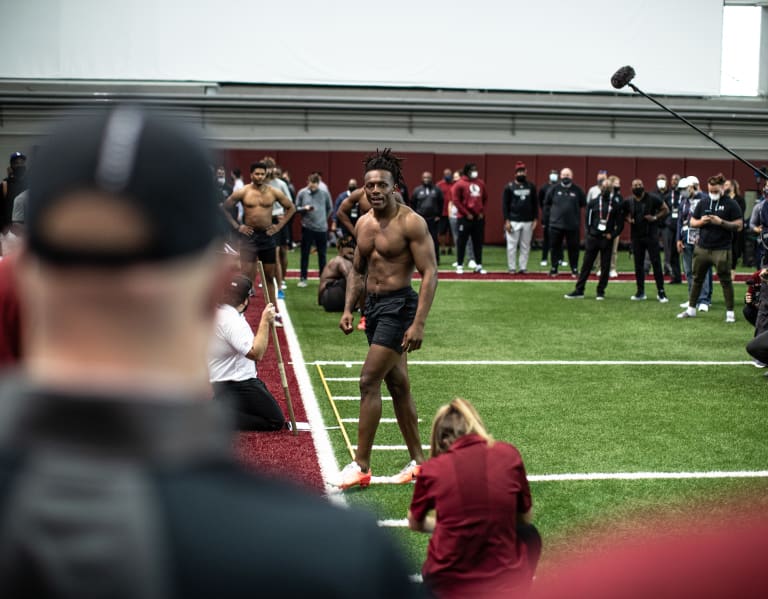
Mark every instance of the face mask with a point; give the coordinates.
(473, 175)
(520, 178)
(616, 189)
(427, 183)
(553, 178)
(351, 188)
(566, 181)
(637, 191)
(600, 181)
(661, 184)
(447, 178)
(714, 196)
(684, 194)
(19, 170)
(221, 180)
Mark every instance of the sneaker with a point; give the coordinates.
(613, 274)
(600, 297)
(543, 263)
(353, 475)
(662, 297)
(302, 283)
(459, 270)
(553, 272)
(702, 308)
(472, 264)
(522, 271)
(280, 294)
(687, 313)
(361, 324)
(574, 273)
(454, 265)
(512, 271)
(684, 305)
(638, 297)
(283, 285)
(730, 316)
(574, 295)
(279, 321)
(598, 273)
(757, 363)
(407, 474)
(563, 263)
(480, 270)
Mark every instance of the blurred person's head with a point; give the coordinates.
(258, 172)
(121, 261)
(715, 186)
(566, 177)
(17, 165)
(455, 420)
(661, 182)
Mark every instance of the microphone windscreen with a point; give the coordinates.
(623, 76)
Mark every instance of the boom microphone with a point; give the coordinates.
(624, 76)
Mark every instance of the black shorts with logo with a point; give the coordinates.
(388, 316)
(259, 246)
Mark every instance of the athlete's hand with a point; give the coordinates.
(245, 230)
(413, 338)
(346, 323)
(271, 230)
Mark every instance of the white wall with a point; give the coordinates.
(558, 45)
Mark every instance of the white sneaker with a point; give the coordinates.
(284, 285)
(684, 305)
(613, 274)
(543, 263)
(598, 273)
(480, 270)
(702, 308)
(689, 313)
(302, 283)
(472, 264)
(730, 316)
(459, 270)
(639, 297)
(407, 474)
(563, 262)
(757, 363)
(352, 475)
(454, 265)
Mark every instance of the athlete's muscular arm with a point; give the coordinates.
(226, 206)
(423, 251)
(355, 283)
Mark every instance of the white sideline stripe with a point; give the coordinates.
(356, 397)
(386, 420)
(647, 475)
(329, 469)
(392, 447)
(556, 363)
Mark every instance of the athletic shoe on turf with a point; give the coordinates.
(687, 314)
(472, 264)
(662, 297)
(613, 274)
(574, 295)
(280, 294)
(543, 263)
(553, 272)
(283, 285)
(563, 263)
(703, 308)
(684, 304)
(512, 271)
(600, 297)
(455, 264)
(353, 475)
(459, 270)
(574, 273)
(302, 283)
(522, 271)
(638, 297)
(730, 316)
(407, 474)
(757, 363)
(279, 320)
(480, 270)
(361, 324)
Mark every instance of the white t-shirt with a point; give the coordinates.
(233, 338)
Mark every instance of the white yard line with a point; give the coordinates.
(382, 420)
(356, 397)
(392, 447)
(553, 363)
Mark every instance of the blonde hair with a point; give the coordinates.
(455, 420)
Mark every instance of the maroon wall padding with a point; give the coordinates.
(496, 169)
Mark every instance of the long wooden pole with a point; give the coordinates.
(276, 343)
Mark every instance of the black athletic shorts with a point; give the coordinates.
(333, 296)
(260, 246)
(388, 316)
(283, 236)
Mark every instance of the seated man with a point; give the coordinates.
(232, 359)
(333, 279)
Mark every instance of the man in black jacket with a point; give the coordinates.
(644, 212)
(427, 201)
(518, 203)
(116, 472)
(604, 222)
(565, 201)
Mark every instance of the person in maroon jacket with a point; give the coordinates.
(470, 198)
(444, 230)
(483, 543)
(10, 339)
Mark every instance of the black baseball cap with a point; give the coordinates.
(147, 160)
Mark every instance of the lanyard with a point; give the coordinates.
(600, 208)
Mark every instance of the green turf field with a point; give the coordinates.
(482, 342)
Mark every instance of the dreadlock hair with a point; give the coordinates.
(455, 420)
(385, 161)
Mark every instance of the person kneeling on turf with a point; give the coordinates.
(483, 543)
(333, 279)
(232, 360)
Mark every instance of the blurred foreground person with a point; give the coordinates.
(116, 474)
(483, 543)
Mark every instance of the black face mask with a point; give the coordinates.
(351, 188)
(520, 178)
(638, 191)
(566, 181)
(448, 178)
(617, 190)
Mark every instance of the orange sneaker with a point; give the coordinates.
(361, 324)
(353, 475)
(407, 474)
